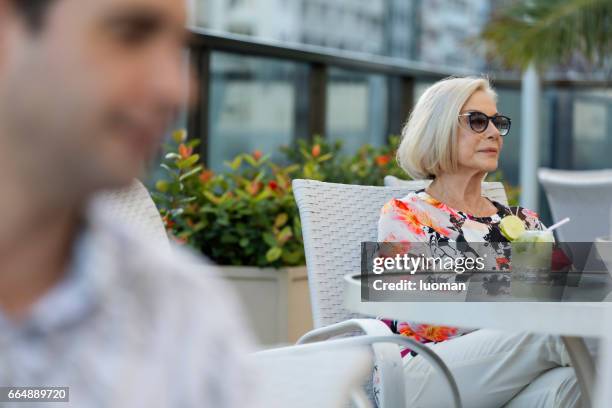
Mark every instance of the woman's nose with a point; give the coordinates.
(491, 131)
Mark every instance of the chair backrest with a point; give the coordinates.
(492, 189)
(584, 196)
(336, 218)
(134, 206)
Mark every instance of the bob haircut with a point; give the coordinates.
(429, 138)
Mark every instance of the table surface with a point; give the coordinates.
(584, 319)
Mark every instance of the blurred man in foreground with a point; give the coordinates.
(87, 88)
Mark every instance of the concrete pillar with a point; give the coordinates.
(530, 137)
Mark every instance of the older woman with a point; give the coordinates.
(454, 136)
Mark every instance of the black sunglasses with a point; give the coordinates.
(479, 122)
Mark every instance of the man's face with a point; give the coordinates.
(87, 98)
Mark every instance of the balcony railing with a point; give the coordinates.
(265, 93)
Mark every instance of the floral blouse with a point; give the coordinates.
(419, 217)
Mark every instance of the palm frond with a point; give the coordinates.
(550, 32)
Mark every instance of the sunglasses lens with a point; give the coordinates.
(478, 122)
(502, 124)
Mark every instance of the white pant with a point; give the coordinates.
(493, 369)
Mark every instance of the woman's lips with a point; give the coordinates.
(488, 151)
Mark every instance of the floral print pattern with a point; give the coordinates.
(419, 217)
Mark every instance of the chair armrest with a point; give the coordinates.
(387, 357)
(371, 327)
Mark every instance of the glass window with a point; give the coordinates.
(356, 108)
(252, 105)
(419, 88)
(509, 104)
(592, 131)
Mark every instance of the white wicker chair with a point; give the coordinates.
(321, 374)
(494, 190)
(336, 218)
(584, 196)
(328, 374)
(133, 206)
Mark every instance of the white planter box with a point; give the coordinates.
(276, 301)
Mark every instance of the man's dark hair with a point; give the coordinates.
(33, 11)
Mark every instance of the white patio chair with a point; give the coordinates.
(492, 189)
(584, 196)
(308, 376)
(134, 206)
(321, 374)
(336, 218)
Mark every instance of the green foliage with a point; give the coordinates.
(247, 215)
(323, 160)
(513, 192)
(549, 32)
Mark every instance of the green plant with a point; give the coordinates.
(246, 216)
(371, 164)
(513, 192)
(323, 160)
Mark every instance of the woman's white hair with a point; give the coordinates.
(429, 138)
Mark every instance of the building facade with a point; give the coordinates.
(446, 29)
(355, 25)
(432, 31)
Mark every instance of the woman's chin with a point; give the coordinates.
(489, 166)
(491, 169)
(486, 169)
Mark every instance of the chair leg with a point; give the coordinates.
(583, 366)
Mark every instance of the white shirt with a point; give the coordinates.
(131, 325)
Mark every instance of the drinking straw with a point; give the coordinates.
(557, 225)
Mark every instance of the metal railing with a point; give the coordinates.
(402, 76)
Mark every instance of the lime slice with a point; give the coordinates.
(511, 227)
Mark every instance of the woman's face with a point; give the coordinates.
(478, 151)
